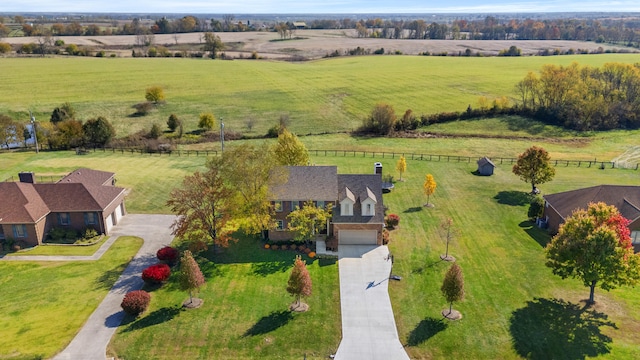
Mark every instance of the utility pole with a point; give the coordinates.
(222, 133)
(33, 130)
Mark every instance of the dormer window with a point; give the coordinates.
(368, 201)
(368, 209)
(347, 209)
(347, 202)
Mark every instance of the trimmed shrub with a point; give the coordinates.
(168, 255)
(89, 233)
(156, 274)
(312, 254)
(275, 247)
(392, 220)
(135, 302)
(266, 246)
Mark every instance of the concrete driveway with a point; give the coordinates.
(92, 340)
(368, 326)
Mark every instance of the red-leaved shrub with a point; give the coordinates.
(135, 302)
(155, 274)
(392, 220)
(168, 255)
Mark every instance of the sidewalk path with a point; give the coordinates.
(92, 340)
(96, 256)
(368, 326)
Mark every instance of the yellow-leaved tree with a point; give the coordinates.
(401, 166)
(429, 187)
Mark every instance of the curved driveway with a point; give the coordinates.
(368, 326)
(92, 340)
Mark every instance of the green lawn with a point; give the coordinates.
(244, 315)
(325, 95)
(44, 304)
(66, 250)
(514, 306)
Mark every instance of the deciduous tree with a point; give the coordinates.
(382, 119)
(429, 186)
(594, 245)
(8, 130)
(204, 206)
(62, 113)
(207, 121)
(453, 285)
(289, 150)
(249, 171)
(154, 94)
(401, 166)
(213, 44)
(98, 131)
(173, 122)
(191, 278)
(534, 167)
(305, 222)
(299, 284)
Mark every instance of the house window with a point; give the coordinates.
(90, 218)
(278, 206)
(19, 231)
(63, 218)
(368, 209)
(347, 210)
(635, 237)
(280, 225)
(320, 204)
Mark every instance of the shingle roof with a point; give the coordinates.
(625, 198)
(308, 183)
(89, 177)
(346, 193)
(484, 161)
(21, 203)
(27, 203)
(83, 197)
(367, 185)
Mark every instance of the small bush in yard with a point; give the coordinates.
(168, 255)
(392, 220)
(155, 274)
(135, 302)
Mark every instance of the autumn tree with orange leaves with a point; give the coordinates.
(594, 245)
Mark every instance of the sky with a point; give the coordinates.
(317, 6)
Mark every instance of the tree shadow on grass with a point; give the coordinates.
(541, 236)
(109, 277)
(413, 209)
(269, 323)
(513, 198)
(426, 329)
(154, 318)
(556, 329)
(268, 268)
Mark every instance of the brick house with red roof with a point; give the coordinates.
(559, 206)
(356, 200)
(83, 199)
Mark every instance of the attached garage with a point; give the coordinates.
(358, 237)
(119, 213)
(109, 223)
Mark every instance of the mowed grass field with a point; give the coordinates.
(44, 304)
(318, 96)
(513, 301)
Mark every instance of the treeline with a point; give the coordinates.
(624, 31)
(584, 97)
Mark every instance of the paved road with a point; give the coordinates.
(92, 340)
(368, 326)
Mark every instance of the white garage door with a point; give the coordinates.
(358, 237)
(119, 213)
(109, 222)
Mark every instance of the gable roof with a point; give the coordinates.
(484, 161)
(308, 183)
(347, 194)
(625, 198)
(21, 203)
(367, 186)
(89, 177)
(28, 203)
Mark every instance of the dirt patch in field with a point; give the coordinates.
(313, 44)
(577, 142)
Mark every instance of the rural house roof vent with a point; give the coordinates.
(27, 177)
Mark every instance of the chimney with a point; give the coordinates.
(377, 168)
(27, 177)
